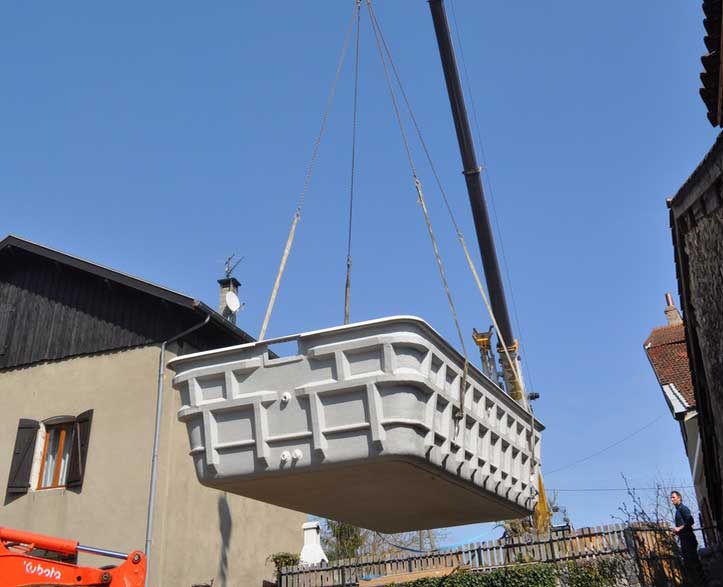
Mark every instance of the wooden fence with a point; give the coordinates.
(580, 544)
(656, 555)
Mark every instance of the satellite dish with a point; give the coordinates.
(232, 302)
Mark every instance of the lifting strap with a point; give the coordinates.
(307, 178)
(458, 230)
(381, 45)
(347, 287)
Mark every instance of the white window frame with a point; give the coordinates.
(38, 454)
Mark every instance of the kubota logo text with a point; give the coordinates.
(38, 569)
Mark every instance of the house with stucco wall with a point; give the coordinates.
(666, 350)
(80, 362)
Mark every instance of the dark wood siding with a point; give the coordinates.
(60, 311)
(7, 315)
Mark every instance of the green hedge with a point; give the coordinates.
(606, 572)
(523, 576)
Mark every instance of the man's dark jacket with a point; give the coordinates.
(684, 518)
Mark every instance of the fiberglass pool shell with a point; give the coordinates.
(360, 427)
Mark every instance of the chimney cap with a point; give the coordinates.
(229, 281)
(671, 312)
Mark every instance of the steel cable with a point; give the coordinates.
(486, 172)
(347, 287)
(307, 178)
(458, 230)
(422, 202)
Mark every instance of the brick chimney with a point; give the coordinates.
(228, 284)
(671, 312)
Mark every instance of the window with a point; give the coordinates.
(56, 455)
(64, 454)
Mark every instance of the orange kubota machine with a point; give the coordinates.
(19, 568)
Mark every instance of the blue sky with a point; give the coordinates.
(158, 139)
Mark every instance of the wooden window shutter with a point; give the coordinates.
(79, 450)
(19, 478)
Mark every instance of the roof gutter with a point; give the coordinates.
(157, 430)
(220, 321)
(12, 242)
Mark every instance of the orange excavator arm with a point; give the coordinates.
(18, 568)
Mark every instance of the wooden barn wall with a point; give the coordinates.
(51, 311)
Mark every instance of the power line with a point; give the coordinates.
(602, 450)
(613, 489)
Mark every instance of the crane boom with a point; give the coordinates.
(473, 179)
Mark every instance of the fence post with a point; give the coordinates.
(629, 535)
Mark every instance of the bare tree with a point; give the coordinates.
(376, 544)
(364, 542)
(651, 506)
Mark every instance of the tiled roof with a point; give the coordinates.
(710, 91)
(666, 335)
(669, 357)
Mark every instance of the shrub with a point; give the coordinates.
(604, 572)
(283, 559)
(521, 576)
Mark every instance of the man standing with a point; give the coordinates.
(688, 544)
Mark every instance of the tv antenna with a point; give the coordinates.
(229, 265)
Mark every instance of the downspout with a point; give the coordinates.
(157, 435)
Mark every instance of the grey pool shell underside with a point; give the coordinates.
(359, 427)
